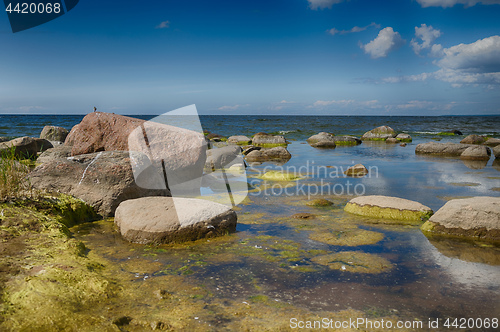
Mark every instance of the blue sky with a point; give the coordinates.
(331, 57)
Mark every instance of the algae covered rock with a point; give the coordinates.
(319, 202)
(386, 207)
(166, 219)
(379, 134)
(476, 217)
(268, 141)
(346, 140)
(357, 170)
(354, 261)
(280, 176)
(492, 141)
(347, 237)
(391, 140)
(404, 138)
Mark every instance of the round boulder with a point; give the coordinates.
(53, 133)
(476, 153)
(473, 139)
(322, 140)
(59, 152)
(357, 170)
(404, 138)
(346, 140)
(476, 217)
(392, 140)
(158, 220)
(492, 142)
(386, 207)
(379, 134)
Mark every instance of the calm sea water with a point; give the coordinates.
(431, 277)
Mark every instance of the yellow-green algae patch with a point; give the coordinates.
(280, 176)
(388, 213)
(347, 236)
(354, 261)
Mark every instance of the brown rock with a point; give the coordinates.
(476, 153)
(473, 139)
(357, 170)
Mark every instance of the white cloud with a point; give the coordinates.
(321, 4)
(345, 103)
(387, 40)
(436, 51)
(425, 33)
(334, 31)
(464, 64)
(427, 105)
(163, 25)
(451, 3)
(231, 108)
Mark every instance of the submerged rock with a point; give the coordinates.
(386, 207)
(346, 140)
(475, 164)
(303, 215)
(476, 217)
(166, 219)
(103, 180)
(53, 133)
(357, 170)
(268, 141)
(319, 202)
(351, 237)
(379, 134)
(277, 153)
(280, 176)
(354, 261)
(476, 153)
(239, 140)
(473, 139)
(441, 149)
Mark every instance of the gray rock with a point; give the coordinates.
(346, 140)
(250, 149)
(379, 134)
(473, 139)
(492, 142)
(268, 141)
(277, 153)
(441, 149)
(103, 180)
(59, 152)
(224, 157)
(403, 137)
(496, 151)
(26, 147)
(476, 217)
(4, 139)
(53, 133)
(164, 219)
(322, 140)
(239, 140)
(476, 153)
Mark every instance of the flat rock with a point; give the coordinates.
(473, 139)
(268, 141)
(492, 142)
(58, 152)
(276, 153)
(158, 220)
(239, 140)
(103, 180)
(379, 134)
(387, 207)
(53, 133)
(476, 153)
(322, 140)
(476, 217)
(441, 149)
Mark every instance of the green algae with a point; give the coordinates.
(354, 261)
(280, 176)
(347, 237)
(320, 202)
(387, 213)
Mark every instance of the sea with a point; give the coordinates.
(431, 277)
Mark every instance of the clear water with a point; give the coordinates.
(272, 253)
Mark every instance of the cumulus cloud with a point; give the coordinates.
(427, 34)
(334, 31)
(163, 25)
(464, 64)
(387, 40)
(451, 3)
(322, 4)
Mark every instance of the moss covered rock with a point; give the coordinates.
(379, 134)
(386, 207)
(354, 261)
